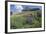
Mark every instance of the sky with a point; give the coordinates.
(15, 8)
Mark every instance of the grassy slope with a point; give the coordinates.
(19, 21)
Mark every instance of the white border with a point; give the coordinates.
(28, 29)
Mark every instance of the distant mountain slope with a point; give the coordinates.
(31, 8)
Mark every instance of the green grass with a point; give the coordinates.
(18, 21)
